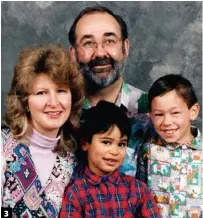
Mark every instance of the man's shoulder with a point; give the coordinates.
(137, 98)
(132, 90)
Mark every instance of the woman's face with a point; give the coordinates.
(49, 105)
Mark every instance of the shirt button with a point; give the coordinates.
(109, 196)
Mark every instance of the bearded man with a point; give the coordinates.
(100, 45)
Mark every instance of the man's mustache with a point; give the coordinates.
(100, 62)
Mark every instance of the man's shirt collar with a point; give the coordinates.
(123, 97)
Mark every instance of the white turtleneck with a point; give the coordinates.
(41, 149)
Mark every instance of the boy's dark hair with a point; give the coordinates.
(99, 119)
(91, 10)
(171, 82)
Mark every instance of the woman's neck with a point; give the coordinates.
(37, 139)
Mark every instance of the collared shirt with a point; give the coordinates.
(113, 196)
(136, 102)
(174, 174)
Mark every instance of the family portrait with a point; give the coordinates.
(101, 109)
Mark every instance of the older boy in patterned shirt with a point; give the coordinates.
(171, 162)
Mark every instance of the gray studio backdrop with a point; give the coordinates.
(165, 37)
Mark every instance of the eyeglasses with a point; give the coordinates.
(91, 45)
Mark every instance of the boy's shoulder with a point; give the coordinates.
(133, 181)
(75, 186)
(197, 142)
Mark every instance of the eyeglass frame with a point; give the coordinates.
(101, 42)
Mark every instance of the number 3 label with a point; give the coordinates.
(6, 212)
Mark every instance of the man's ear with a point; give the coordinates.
(127, 46)
(72, 53)
(194, 111)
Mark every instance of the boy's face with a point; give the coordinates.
(171, 117)
(106, 152)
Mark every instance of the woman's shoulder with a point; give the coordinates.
(67, 156)
(8, 141)
(5, 134)
(67, 160)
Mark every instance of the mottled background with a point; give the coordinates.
(166, 37)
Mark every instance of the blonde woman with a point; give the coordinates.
(44, 102)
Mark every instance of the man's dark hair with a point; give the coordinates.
(91, 10)
(170, 82)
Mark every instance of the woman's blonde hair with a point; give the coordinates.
(53, 61)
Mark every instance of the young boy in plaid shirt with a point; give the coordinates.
(99, 189)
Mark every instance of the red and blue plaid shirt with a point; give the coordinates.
(116, 195)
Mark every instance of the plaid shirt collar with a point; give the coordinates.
(95, 179)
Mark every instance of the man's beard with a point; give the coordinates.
(94, 81)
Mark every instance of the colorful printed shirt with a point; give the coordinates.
(174, 173)
(116, 195)
(23, 191)
(136, 102)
